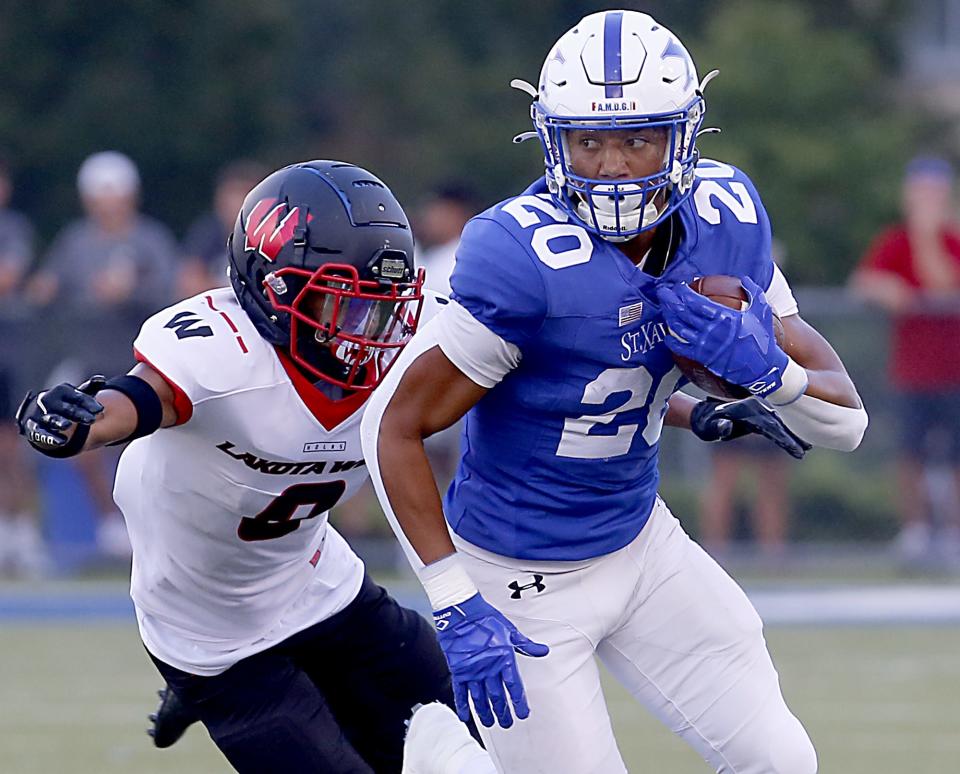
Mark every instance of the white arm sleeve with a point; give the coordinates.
(780, 296)
(825, 424)
(816, 421)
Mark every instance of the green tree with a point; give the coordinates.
(418, 91)
(180, 86)
(807, 111)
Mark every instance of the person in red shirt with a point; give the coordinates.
(912, 270)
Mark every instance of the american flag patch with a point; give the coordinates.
(631, 313)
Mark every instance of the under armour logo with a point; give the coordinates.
(517, 588)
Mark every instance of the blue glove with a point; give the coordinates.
(737, 346)
(480, 645)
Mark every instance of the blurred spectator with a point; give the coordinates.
(21, 543)
(769, 512)
(16, 239)
(22, 550)
(438, 232)
(112, 259)
(114, 256)
(204, 247)
(912, 270)
(767, 471)
(440, 223)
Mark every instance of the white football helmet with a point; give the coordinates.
(617, 70)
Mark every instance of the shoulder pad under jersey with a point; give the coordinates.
(730, 229)
(497, 277)
(206, 346)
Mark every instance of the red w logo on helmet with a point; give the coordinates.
(267, 233)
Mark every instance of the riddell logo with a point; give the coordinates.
(267, 233)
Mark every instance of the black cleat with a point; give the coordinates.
(170, 720)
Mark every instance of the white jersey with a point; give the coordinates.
(227, 512)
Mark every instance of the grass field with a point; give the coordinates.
(875, 700)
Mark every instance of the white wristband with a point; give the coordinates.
(446, 582)
(792, 386)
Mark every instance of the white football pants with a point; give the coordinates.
(671, 626)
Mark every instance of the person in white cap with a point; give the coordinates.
(21, 543)
(114, 255)
(113, 260)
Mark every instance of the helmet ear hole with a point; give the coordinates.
(390, 265)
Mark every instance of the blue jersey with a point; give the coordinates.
(560, 458)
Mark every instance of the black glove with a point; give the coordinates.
(44, 418)
(719, 420)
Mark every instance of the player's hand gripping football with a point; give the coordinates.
(481, 645)
(45, 418)
(738, 346)
(719, 420)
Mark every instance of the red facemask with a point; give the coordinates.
(364, 324)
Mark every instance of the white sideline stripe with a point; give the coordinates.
(903, 604)
(858, 605)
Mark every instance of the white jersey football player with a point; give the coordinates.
(569, 303)
(243, 416)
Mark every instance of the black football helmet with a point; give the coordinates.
(321, 259)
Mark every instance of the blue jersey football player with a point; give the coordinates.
(569, 302)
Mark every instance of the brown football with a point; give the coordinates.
(726, 290)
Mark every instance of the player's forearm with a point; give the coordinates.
(125, 412)
(834, 387)
(827, 379)
(118, 420)
(825, 424)
(404, 483)
(830, 413)
(423, 394)
(66, 420)
(412, 494)
(679, 408)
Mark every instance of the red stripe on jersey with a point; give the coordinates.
(182, 405)
(225, 316)
(328, 413)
